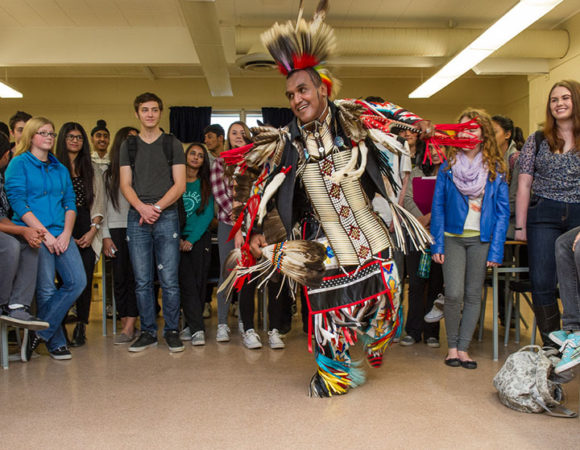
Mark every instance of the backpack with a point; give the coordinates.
(168, 150)
(523, 383)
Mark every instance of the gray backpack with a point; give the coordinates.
(523, 382)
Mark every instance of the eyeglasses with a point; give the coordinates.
(74, 137)
(46, 134)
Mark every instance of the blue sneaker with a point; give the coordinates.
(570, 354)
(559, 337)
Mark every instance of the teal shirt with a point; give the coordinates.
(195, 225)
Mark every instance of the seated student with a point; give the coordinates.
(568, 269)
(40, 191)
(18, 258)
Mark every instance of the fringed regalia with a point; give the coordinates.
(308, 188)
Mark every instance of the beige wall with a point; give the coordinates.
(85, 100)
(566, 68)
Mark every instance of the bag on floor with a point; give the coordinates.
(523, 382)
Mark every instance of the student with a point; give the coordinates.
(421, 300)
(41, 193)
(73, 151)
(469, 220)
(195, 244)
(115, 242)
(548, 198)
(100, 138)
(152, 180)
(16, 124)
(568, 267)
(213, 137)
(18, 258)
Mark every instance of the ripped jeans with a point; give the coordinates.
(157, 246)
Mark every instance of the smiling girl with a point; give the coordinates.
(195, 244)
(469, 220)
(551, 171)
(41, 193)
(73, 151)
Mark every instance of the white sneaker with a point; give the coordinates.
(207, 311)
(275, 340)
(436, 313)
(240, 325)
(223, 333)
(251, 339)
(198, 338)
(185, 334)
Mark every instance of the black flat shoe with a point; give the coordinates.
(452, 362)
(468, 364)
(79, 335)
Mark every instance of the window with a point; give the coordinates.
(226, 118)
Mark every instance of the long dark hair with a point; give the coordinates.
(203, 175)
(83, 163)
(551, 128)
(112, 174)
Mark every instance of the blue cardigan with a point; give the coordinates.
(43, 188)
(450, 209)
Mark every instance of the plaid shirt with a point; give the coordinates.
(5, 210)
(222, 191)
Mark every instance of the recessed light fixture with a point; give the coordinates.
(517, 19)
(8, 92)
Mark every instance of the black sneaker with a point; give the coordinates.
(174, 342)
(61, 354)
(145, 341)
(30, 342)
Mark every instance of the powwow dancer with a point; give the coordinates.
(306, 190)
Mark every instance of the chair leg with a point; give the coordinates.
(517, 316)
(508, 318)
(482, 314)
(4, 344)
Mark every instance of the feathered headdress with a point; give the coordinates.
(304, 45)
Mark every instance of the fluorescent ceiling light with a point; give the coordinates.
(7, 92)
(517, 19)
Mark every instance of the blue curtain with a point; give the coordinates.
(277, 117)
(188, 122)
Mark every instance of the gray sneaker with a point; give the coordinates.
(20, 317)
(223, 333)
(436, 313)
(123, 339)
(432, 342)
(198, 338)
(407, 341)
(185, 334)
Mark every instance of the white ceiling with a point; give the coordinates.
(193, 38)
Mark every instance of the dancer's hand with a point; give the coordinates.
(257, 241)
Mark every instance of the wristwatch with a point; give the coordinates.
(96, 225)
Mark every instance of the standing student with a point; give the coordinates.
(115, 241)
(152, 180)
(195, 244)
(551, 171)
(420, 299)
(469, 220)
(222, 188)
(18, 259)
(41, 193)
(73, 151)
(100, 138)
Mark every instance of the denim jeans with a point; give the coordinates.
(162, 241)
(547, 221)
(53, 303)
(568, 265)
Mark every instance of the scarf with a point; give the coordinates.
(470, 176)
